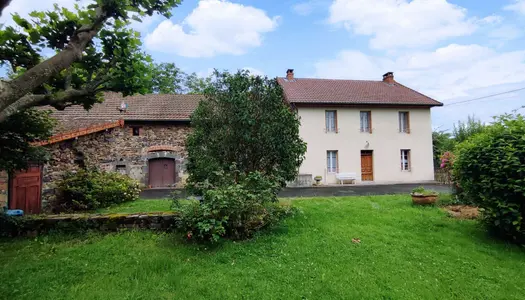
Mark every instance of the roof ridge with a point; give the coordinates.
(334, 79)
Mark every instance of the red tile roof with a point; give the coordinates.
(152, 107)
(334, 91)
(80, 131)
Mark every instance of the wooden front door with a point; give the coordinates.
(367, 165)
(25, 190)
(161, 172)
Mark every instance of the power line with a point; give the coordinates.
(484, 97)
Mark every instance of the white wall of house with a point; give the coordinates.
(385, 140)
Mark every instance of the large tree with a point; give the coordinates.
(244, 124)
(93, 51)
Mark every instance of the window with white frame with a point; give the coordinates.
(331, 120)
(331, 161)
(405, 159)
(366, 121)
(404, 122)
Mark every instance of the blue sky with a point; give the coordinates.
(451, 50)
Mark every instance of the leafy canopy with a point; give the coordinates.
(16, 135)
(94, 51)
(246, 125)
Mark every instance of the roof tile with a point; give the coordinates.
(335, 91)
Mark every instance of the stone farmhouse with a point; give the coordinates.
(362, 131)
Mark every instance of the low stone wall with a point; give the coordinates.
(36, 225)
(302, 180)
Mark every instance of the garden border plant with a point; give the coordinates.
(422, 196)
(490, 169)
(91, 189)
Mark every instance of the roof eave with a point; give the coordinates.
(320, 103)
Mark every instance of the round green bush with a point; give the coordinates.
(87, 190)
(490, 170)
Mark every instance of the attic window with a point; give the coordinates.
(136, 131)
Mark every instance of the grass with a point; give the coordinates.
(405, 252)
(139, 206)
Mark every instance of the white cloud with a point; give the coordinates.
(402, 23)
(254, 71)
(303, 8)
(517, 6)
(448, 74)
(306, 8)
(505, 32)
(24, 7)
(146, 24)
(214, 27)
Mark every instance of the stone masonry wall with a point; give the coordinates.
(119, 150)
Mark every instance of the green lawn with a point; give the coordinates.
(405, 252)
(139, 206)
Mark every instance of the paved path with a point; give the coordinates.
(324, 191)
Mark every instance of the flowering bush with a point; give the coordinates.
(93, 189)
(447, 160)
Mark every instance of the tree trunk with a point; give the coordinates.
(13, 91)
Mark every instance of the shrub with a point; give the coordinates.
(93, 189)
(422, 191)
(236, 210)
(490, 170)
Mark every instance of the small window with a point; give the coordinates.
(121, 169)
(405, 160)
(366, 121)
(136, 131)
(404, 122)
(331, 161)
(331, 120)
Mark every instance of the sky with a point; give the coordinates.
(450, 50)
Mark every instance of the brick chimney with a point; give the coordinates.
(289, 74)
(388, 78)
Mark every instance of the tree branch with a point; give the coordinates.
(3, 4)
(11, 92)
(59, 101)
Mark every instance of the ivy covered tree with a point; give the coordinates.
(244, 126)
(94, 51)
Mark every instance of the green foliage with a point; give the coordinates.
(167, 78)
(244, 122)
(197, 85)
(235, 211)
(112, 61)
(422, 191)
(441, 142)
(464, 130)
(94, 189)
(490, 170)
(18, 133)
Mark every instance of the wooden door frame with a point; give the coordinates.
(10, 182)
(162, 158)
(371, 154)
